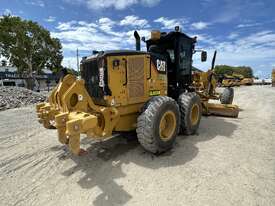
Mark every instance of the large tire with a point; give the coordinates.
(190, 112)
(227, 96)
(158, 124)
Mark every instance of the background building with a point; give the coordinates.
(10, 77)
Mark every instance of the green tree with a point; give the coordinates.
(4, 63)
(245, 71)
(28, 46)
(71, 71)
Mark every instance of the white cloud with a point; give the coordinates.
(104, 4)
(103, 34)
(253, 50)
(150, 3)
(106, 24)
(90, 36)
(39, 3)
(199, 25)
(206, 3)
(70, 62)
(77, 34)
(170, 23)
(98, 35)
(106, 34)
(205, 39)
(116, 4)
(7, 12)
(225, 11)
(134, 21)
(248, 25)
(233, 35)
(228, 11)
(65, 25)
(50, 19)
(259, 73)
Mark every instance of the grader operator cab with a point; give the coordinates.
(119, 91)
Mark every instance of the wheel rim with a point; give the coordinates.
(167, 125)
(194, 114)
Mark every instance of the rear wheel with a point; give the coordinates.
(158, 124)
(190, 112)
(227, 96)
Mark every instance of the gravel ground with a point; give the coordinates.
(14, 97)
(229, 162)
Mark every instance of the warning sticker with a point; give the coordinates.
(154, 93)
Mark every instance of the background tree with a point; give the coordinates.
(246, 71)
(28, 46)
(4, 63)
(71, 71)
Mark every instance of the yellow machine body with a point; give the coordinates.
(231, 82)
(247, 81)
(115, 94)
(236, 80)
(72, 111)
(273, 78)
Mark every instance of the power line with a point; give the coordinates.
(77, 60)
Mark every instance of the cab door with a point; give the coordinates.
(185, 56)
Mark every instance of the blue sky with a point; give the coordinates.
(242, 31)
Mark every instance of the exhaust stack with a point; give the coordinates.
(137, 37)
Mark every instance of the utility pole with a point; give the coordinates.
(77, 60)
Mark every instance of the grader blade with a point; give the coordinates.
(224, 110)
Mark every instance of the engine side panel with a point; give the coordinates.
(132, 80)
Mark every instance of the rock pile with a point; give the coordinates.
(13, 97)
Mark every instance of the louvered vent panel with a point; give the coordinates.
(136, 77)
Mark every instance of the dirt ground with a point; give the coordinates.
(229, 162)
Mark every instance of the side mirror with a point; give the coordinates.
(203, 56)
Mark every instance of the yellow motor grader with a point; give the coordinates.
(236, 80)
(129, 90)
(233, 80)
(273, 78)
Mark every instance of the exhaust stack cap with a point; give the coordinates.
(137, 37)
(177, 28)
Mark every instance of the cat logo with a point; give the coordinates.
(161, 65)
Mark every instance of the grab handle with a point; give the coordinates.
(126, 79)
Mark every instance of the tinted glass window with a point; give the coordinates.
(172, 55)
(185, 57)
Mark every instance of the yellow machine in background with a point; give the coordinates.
(233, 80)
(273, 78)
(247, 81)
(236, 80)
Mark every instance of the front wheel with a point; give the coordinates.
(190, 112)
(227, 96)
(158, 124)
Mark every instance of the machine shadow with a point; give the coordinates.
(105, 160)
